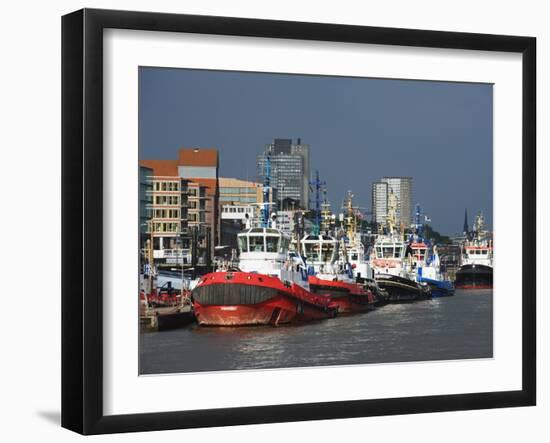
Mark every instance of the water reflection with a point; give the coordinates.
(448, 328)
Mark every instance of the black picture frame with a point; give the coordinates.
(82, 218)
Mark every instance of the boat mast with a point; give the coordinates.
(318, 184)
(267, 185)
(480, 227)
(392, 213)
(326, 214)
(150, 257)
(351, 227)
(418, 226)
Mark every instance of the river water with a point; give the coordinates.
(457, 327)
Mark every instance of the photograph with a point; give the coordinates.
(299, 220)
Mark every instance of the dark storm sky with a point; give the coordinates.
(359, 130)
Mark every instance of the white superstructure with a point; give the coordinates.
(388, 256)
(265, 251)
(479, 250)
(326, 257)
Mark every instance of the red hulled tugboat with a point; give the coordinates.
(348, 296)
(269, 288)
(333, 275)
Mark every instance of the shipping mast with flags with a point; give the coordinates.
(318, 187)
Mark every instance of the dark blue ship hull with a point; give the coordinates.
(440, 288)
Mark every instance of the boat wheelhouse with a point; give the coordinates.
(320, 252)
(393, 272)
(476, 271)
(425, 261)
(263, 250)
(357, 259)
(388, 256)
(478, 255)
(420, 252)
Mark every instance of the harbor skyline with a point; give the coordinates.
(439, 133)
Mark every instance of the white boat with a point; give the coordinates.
(424, 259)
(270, 285)
(392, 271)
(476, 271)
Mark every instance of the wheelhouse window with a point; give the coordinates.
(312, 251)
(272, 243)
(256, 243)
(420, 254)
(326, 252)
(243, 243)
(389, 251)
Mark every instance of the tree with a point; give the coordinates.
(435, 236)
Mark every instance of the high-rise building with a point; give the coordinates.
(402, 188)
(379, 202)
(289, 171)
(302, 149)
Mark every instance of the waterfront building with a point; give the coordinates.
(185, 198)
(238, 199)
(145, 202)
(233, 191)
(167, 226)
(401, 188)
(233, 221)
(196, 205)
(238, 213)
(290, 174)
(200, 166)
